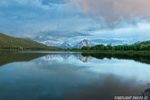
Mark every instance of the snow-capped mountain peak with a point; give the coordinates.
(64, 45)
(50, 44)
(84, 42)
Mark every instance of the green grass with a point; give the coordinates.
(8, 41)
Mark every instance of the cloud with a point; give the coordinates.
(56, 35)
(106, 88)
(113, 11)
(46, 2)
(114, 41)
(65, 20)
(32, 19)
(65, 34)
(44, 38)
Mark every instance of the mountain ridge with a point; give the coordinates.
(7, 42)
(66, 45)
(84, 42)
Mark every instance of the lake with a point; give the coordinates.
(41, 75)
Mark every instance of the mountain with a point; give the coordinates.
(84, 59)
(64, 45)
(137, 42)
(8, 41)
(50, 44)
(58, 44)
(110, 44)
(85, 42)
(58, 55)
(144, 43)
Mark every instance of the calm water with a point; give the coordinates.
(71, 76)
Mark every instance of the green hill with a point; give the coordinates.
(8, 42)
(146, 43)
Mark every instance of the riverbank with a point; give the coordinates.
(91, 51)
(116, 52)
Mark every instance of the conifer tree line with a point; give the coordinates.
(144, 46)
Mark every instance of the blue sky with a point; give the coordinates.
(58, 21)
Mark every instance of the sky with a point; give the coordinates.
(58, 21)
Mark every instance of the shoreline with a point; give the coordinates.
(90, 51)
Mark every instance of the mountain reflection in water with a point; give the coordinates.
(79, 56)
(71, 76)
(8, 57)
(87, 57)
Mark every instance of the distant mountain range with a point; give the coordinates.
(79, 45)
(66, 45)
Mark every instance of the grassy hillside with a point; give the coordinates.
(7, 42)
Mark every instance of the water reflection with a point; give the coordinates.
(9, 57)
(71, 76)
(106, 88)
(61, 81)
(135, 57)
(87, 57)
(63, 55)
(79, 56)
